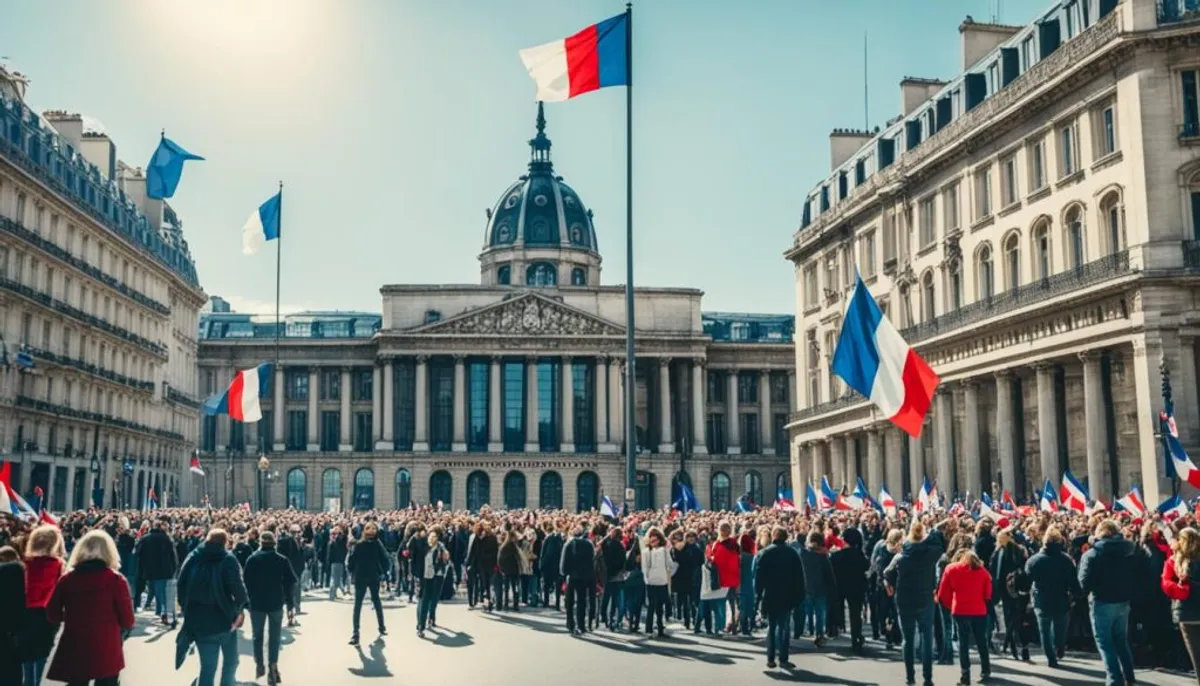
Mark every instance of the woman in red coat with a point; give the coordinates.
(966, 589)
(92, 602)
(725, 556)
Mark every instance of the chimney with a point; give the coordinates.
(133, 182)
(980, 39)
(98, 149)
(67, 124)
(13, 84)
(914, 92)
(843, 143)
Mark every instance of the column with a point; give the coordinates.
(666, 442)
(459, 444)
(1187, 411)
(616, 403)
(389, 406)
(973, 479)
(851, 456)
(699, 411)
(732, 416)
(1047, 424)
(421, 395)
(1093, 418)
(765, 429)
(816, 463)
(50, 491)
(604, 441)
(495, 418)
(277, 410)
(893, 465)
(346, 443)
(800, 469)
(837, 462)
(533, 443)
(376, 406)
(314, 437)
(567, 440)
(792, 392)
(875, 476)
(1005, 441)
(943, 445)
(69, 498)
(916, 466)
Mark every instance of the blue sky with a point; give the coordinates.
(394, 124)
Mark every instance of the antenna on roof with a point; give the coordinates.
(866, 89)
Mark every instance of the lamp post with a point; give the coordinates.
(1164, 423)
(263, 466)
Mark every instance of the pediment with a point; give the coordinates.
(529, 314)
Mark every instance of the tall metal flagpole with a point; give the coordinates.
(278, 262)
(630, 359)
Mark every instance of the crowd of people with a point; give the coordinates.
(935, 585)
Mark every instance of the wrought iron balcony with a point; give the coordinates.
(850, 399)
(106, 419)
(74, 363)
(83, 317)
(182, 398)
(1096, 271)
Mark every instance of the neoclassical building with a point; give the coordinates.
(1031, 227)
(98, 303)
(509, 392)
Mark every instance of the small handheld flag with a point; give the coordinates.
(926, 497)
(887, 502)
(860, 498)
(1172, 508)
(607, 509)
(166, 168)
(596, 57)
(810, 499)
(1132, 503)
(1048, 502)
(783, 501)
(263, 225)
(1072, 494)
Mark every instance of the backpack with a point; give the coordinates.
(1018, 583)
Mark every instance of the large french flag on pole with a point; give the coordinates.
(263, 225)
(596, 57)
(874, 360)
(241, 400)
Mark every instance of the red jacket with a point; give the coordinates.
(964, 590)
(41, 574)
(1174, 587)
(93, 604)
(724, 554)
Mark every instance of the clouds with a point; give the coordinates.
(243, 305)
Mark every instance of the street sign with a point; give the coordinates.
(630, 494)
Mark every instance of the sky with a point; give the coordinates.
(393, 124)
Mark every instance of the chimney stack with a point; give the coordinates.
(980, 39)
(915, 91)
(843, 143)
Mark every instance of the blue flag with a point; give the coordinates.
(686, 502)
(166, 168)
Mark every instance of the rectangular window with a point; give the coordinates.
(928, 226)
(779, 433)
(1037, 166)
(867, 261)
(331, 384)
(1191, 103)
(950, 208)
(889, 236)
(1067, 153)
(405, 406)
(983, 193)
(993, 78)
(363, 432)
(831, 271)
(830, 347)
(266, 430)
(1008, 180)
(716, 387)
(513, 381)
(477, 405)
(441, 405)
(714, 433)
(749, 434)
(297, 384)
(331, 426)
(779, 389)
(582, 386)
(208, 434)
(1106, 131)
(811, 295)
(297, 430)
(363, 381)
(747, 384)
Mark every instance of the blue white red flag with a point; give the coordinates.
(887, 502)
(241, 400)
(926, 497)
(1177, 458)
(1172, 507)
(1048, 500)
(1132, 503)
(860, 498)
(151, 500)
(596, 57)
(810, 498)
(784, 502)
(607, 509)
(263, 225)
(1072, 494)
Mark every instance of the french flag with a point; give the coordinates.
(151, 500)
(831, 499)
(1132, 503)
(1072, 494)
(1178, 459)
(987, 508)
(596, 57)
(1172, 508)
(195, 467)
(240, 400)
(11, 502)
(926, 497)
(783, 501)
(874, 360)
(1048, 502)
(887, 502)
(810, 499)
(860, 498)
(1007, 502)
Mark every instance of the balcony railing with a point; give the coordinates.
(1097, 271)
(78, 314)
(1174, 11)
(13, 228)
(90, 368)
(106, 419)
(850, 399)
(182, 398)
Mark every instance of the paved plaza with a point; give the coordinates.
(532, 648)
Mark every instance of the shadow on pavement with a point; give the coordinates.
(374, 663)
(530, 623)
(452, 639)
(804, 676)
(662, 646)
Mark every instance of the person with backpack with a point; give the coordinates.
(213, 597)
(269, 579)
(1012, 586)
(910, 581)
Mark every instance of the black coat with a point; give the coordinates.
(1006, 560)
(778, 578)
(578, 560)
(485, 553)
(208, 611)
(269, 581)
(614, 557)
(1107, 570)
(12, 618)
(850, 570)
(156, 556)
(290, 549)
(336, 552)
(912, 572)
(367, 562)
(689, 558)
(552, 549)
(510, 558)
(1054, 579)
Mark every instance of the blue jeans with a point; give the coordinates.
(973, 627)
(431, 590)
(612, 609)
(1110, 625)
(1052, 630)
(158, 588)
(815, 607)
(33, 671)
(946, 649)
(912, 624)
(746, 611)
(223, 646)
(272, 623)
(713, 612)
(779, 634)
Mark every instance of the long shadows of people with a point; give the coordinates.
(451, 639)
(374, 663)
(804, 676)
(527, 622)
(664, 648)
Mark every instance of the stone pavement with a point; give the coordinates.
(474, 648)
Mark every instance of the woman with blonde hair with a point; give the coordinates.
(1181, 574)
(95, 608)
(44, 565)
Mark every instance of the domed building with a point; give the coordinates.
(510, 392)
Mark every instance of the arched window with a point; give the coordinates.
(783, 482)
(644, 486)
(985, 272)
(587, 488)
(578, 277)
(754, 487)
(955, 284)
(331, 487)
(1012, 261)
(927, 297)
(504, 275)
(297, 488)
(403, 489)
(364, 489)
(541, 274)
(514, 491)
(479, 490)
(550, 491)
(1110, 219)
(1041, 250)
(721, 495)
(441, 488)
(1073, 226)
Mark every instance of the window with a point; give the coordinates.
(928, 227)
(985, 272)
(950, 208)
(993, 77)
(1106, 131)
(1041, 250)
(403, 489)
(721, 497)
(716, 387)
(983, 193)
(811, 297)
(541, 274)
(441, 488)
(747, 385)
(1037, 165)
(363, 442)
(1110, 217)
(364, 489)
(477, 405)
(1008, 180)
(1191, 103)
(550, 491)
(831, 272)
(779, 389)
(587, 488)
(578, 276)
(504, 275)
(928, 311)
(331, 486)
(297, 430)
(297, 384)
(297, 489)
(331, 384)
(830, 347)
(750, 433)
(363, 381)
(754, 487)
(441, 404)
(813, 366)
(955, 284)
(514, 491)
(1067, 153)
(582, 386)
(330, 430)
(513, 381)
(867, 260)
(714, 432)
(643, 490)
(1074, 238)
(889, 236)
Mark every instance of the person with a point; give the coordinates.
(578, 567)
(657, 568)
(12, 614)
(481, 563)
(886, 548)
(510, 568)
(213, 597)
(94, 605)
(1180, 576)
(611, 603)
(850, 567)
(747, 549)
(289, 545)
(909, 578)
(551, 553)
(1055, 583)
(1105, 574)
(724, 554)
(44, 566)
(1011, 584)
(366, 563)
(336, 553)
(156, 564)
(635, 587)
(433, 576)
(690, 558)
(270, 580)
(818, 583)
(965, 589)
(779, 589)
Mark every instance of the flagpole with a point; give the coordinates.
(630, 359)
(278, 272)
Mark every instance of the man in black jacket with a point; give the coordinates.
(611, 612)
(289, 547)
(269, 583)
(779, 587)
(1105, 574)
(156, 565)
(910, 579)
(552, 548)
(850, 567)
(213, 599)
(578, 566)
